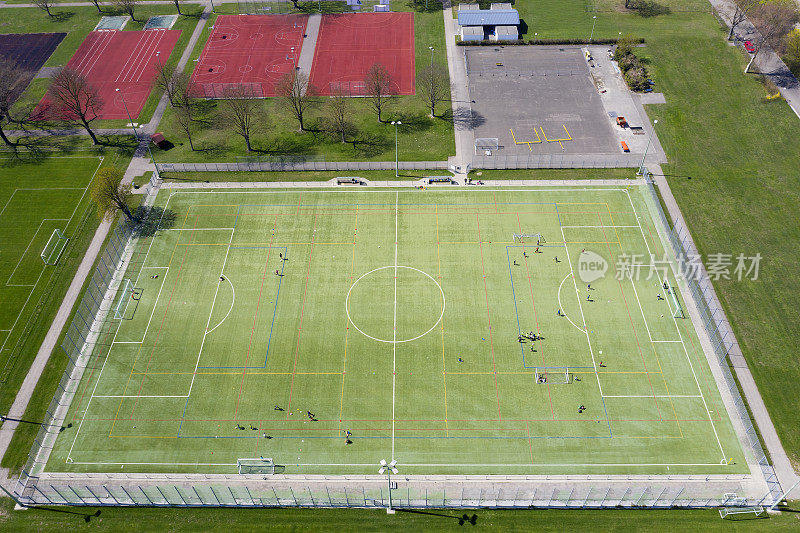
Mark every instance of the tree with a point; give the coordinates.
(742, 9)
(110, 194)
(164, 80)
(773, 19)
(433, 85)
(177, 6)
(45, 5)
(241, 112)
(12, 83)
(97, 5)
(338, 115)
(127, 6)
(184, 115)
(297, 94)
(76, 99)
(379, 88)
(792, 54)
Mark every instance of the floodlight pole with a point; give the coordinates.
(125, 105)
(396, 155)
(389, 468)
(212, 6)
(593, 23)
(649, 140)
(431, 48)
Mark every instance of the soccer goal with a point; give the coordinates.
(54, 247)
(677, 310)
(553, 376)
(258, 465)
(522, 237)
(486, 145)
(127, 293)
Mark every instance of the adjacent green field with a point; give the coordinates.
(395, 315)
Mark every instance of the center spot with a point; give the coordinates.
(374, 309)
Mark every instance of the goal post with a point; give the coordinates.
(530, 237)
(677, 310)
(256, 465)
(54, 248)
(126, 293)
(552, 376)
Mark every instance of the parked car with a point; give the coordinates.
(748, 45)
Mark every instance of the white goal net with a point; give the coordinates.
(257, 465)
(538, 238)
(552, 376)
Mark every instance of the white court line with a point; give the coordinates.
(653, 396)
(562, 307)
(675, 322)
(233, 300)
(394, 337)
(119, 326)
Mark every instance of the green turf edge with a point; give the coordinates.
(59, 519)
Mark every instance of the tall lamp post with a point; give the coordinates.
(594, 21)
(212, 7)
(649, 140)
(389, 469)
(136, 133)
(396, 123)
(431, 48)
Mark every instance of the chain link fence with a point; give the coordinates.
(89, 333)
(289, 163)
(499, 161)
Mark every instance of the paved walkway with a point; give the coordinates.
(767, 61)
(309, 44)
(459, 94)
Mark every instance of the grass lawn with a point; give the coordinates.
(52, 195)
(190, 520)
(242, 329)
(745, 178)
(420, 138)
(78, 22)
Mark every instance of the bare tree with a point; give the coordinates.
(97, 5)
(297, 94)
(379, 88)
(183, 89)
(127, 6)
(164, 80)
(433, 85)
(241, 112)
(177, 6)
(76, 99)
(184, 116)
(742, 9)
(12, 83)
(773, 19)
(109, 194)
(338, 115)
(45, 5)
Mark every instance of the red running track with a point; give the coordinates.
(124, 60)
(350, 43)
(253, 51)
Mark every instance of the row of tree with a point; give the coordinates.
(243, 114)
(125, 6)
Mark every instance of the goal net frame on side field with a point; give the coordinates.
(255, 465)
(520, 237)
(678, 310)
(54, 248)
(552, 376)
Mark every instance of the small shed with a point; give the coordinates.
(505, 33)
(501, 6)
(471, 33)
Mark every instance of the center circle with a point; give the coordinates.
(405, 298)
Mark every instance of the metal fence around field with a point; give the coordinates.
(87, 335)
(288, 163)
(719, 333)
(500, 161)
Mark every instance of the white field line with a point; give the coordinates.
(675, 322)
(113, 340)
(210, 312)
(394, 333)
(562, 307)
(654, 396)
(665, 341)
(135, 396)
(21, 257)
(233, 300)
(478, 479)
(3, 346)
(197, 229)
(583, 317)
(599, 226)
(333, 189)
(155, 304)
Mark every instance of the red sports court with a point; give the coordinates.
(253, 51)
(124, 60)
(350, 43)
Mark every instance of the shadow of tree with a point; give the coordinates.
(649, 8)
(150, 219)
(465, 118)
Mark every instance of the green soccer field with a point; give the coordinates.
(395, 315)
